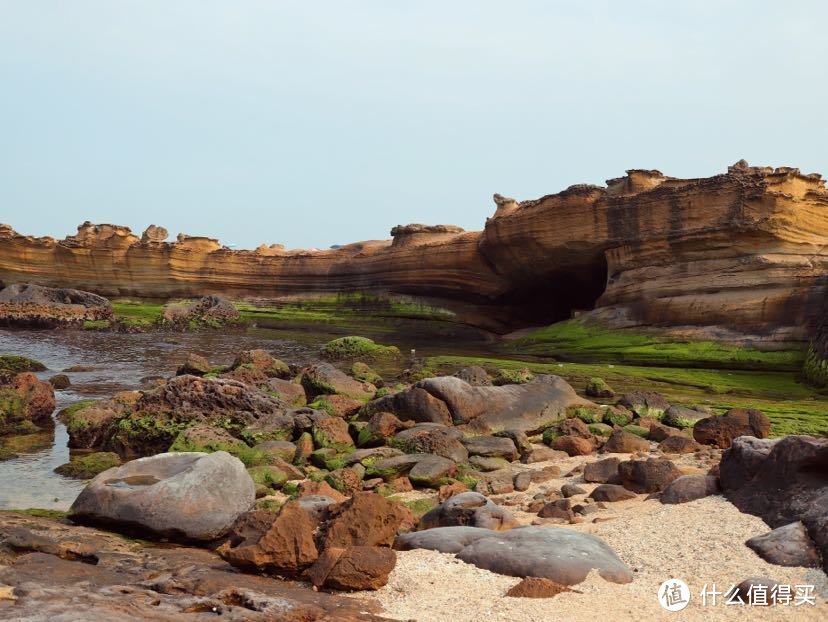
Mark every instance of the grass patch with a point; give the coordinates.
(137, 314)
(579, 341)
(96, 324)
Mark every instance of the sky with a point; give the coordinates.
(311, 123)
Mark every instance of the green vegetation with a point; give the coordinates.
(137, 315)
(16, 364)
(96, 324)
(419, 507)
(586, 414)
(68, 416)
(357, 347)
(578, 340)
(88, 466)
(815, 368)
(512, 376)
(793, 407)
(637, 430)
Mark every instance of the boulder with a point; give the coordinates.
(468, 509)
(367, 519)
(528, 407)
(571, 490)
(789, 545)
(195, 496)
(678, 444)
(562, 555)
(722, 429)
(689, 488)
(194, 365)
(743, 460)
(261, 361)
(32, 306)
(325, 379)
(573, 445)
(154, 233)
(681, 417)
(623, 442)
(331, 432)
(651, 475)
(475, 376)
(491, 447)
(788, 486)
(658, 432)
(442, 539)
(598, 387)
(645, 403)
(353, 568)
(430, 470)
(381, 427)
(60, 381)
(264, 541)
(25, 402)
(603, 471)
(432, 438)
(611, 493)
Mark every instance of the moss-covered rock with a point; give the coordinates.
(363, 372)
(357, 348)
(637, 430)
(88, 466)
(600, 429)
(598, 387)
(512, 376)
(617, 415)
(15, 364)
(268, 476)
(587, 414)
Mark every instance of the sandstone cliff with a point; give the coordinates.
(744, 250)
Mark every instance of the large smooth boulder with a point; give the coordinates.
(721, 430)
(191, 496)
(789, 485)
(562, 555)
(528, 407)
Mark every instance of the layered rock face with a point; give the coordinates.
(745, 250)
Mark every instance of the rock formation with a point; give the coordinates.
(744, 250)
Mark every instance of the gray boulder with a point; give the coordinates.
(789, 545)
(562, 555)
(191, 496)
(689, 488)
(469, 509)
(529, 407)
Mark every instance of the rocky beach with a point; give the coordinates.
(560, 415)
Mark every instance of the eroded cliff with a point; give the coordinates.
(744, 250)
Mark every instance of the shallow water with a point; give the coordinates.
(117, 362)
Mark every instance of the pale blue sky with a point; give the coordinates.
(311, 123)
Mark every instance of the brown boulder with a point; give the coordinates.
(367, 519)
(622, 442)
(678, 444)
(603, 471)
(722, 429)
(573, 445)
(353, 568)
(611, 493)
(689, 488)
(651, 475)
(283, 544)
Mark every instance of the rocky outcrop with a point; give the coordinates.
(743, 250)
(33, 306)
(194, 496)
(25, 403)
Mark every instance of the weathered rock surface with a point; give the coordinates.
(25, 402)
(33, 306)
(689, 488)
(562, 555)
(195, 496)
(449, 400)
(759, 230)
(62, 572)
(353, 568)
(789, 545)
(651, 475)
(721, 430)
(788, 485)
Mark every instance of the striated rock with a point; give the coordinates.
(721, 430)
(154, 233)
(32, 306)
(195, 496)
(759, 231)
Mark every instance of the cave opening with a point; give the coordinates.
(561, 294)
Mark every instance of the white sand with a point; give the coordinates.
(701, 542)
